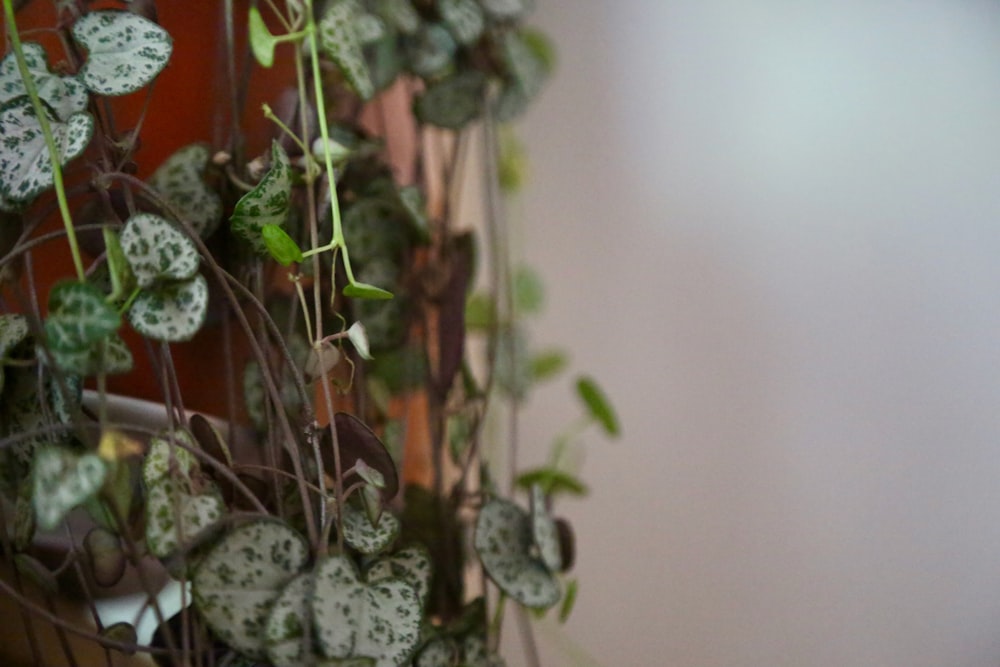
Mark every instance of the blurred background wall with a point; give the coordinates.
(772, 230)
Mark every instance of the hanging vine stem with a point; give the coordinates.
(46, 129)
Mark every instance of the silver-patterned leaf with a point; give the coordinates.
(267, 204)
(464, 19)
(431, 51)
(172, 312)
(66, 95)
(366, 538)
(411, 564)
(79, 317)
(25, 163)
(453, 102)
(353, 619)
(504, 542)
(181, 181)
(156, 250)
(62, 480)
(400, 14)
(338, 39)
(124, 51)
(168, 458)
(289, 618)
(176, 516)
(110, 356)
(13, 332)
(507, 10)
(237, 582)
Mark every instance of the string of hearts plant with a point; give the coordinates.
(348, 509)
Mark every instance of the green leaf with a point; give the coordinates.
(125, 51)
(157, 251)
(504, 542)
(121, 632)
(464, 19)
(598, 406)
(529, 293)
(119, 271)
(547, 364)
(30, 567)
(367, 538)
(569, 599)
(355, 619)
(453, 102)
(239, 579)
(63, 480)
(358, 290)
(339, 41)
(524, 63)
(172, 312)
(280, 245)
(66, 95)
(25, 164)
(79, 317)
(267, 204)
(480, 311)
(262, 42)
(552, 481)
(180, 180)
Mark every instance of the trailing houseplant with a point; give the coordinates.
(345, 505)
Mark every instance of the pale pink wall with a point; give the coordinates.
(773, 230)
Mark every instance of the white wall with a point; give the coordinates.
(772, 229)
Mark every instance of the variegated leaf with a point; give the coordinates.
(124, 51)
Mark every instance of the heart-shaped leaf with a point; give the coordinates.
(181, 505)
(181, 181)
(156, 250)
(464, 19)
(439, 652)
(354, 619)
(262, 42)
(356, 441)
(289, 619)
(238, 580)
(412, 564)
(168, 458)
(172, 312)
(339, 41)
(267, 204)
(359, 338)
(62, 480)
(504, 542)
(79, 317)
(431, 51)
(176, 517)
(452, 102)
(25, 162)
(507, 10)
(66, 95)
(400, 14)
(125, 51)
(367, 538)
(124, 633)
(105, 555)
(110, 356)
(280, 245)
